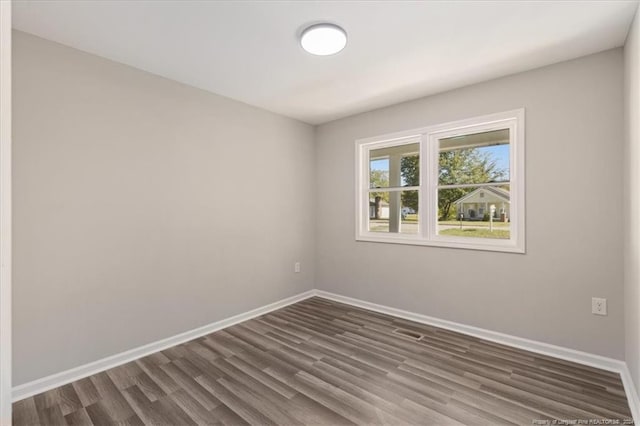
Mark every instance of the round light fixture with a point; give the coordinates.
(323, 39)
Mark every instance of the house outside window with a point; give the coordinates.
(458, 185)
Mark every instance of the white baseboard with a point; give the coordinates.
(632, 393)
(567, 354)
(59, 379)
(585, 358)
(41, 385)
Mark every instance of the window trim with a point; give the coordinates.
(428, 137)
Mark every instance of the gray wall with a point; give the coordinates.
(574, 122)
(144, 208)
(632, 198)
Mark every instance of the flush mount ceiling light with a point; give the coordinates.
(323, 39)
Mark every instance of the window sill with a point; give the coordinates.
(483, 245)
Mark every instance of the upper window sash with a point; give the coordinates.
(434, 137)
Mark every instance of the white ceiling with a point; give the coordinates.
(396, 51)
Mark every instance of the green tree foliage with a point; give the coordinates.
(462, 166)
(379, 179)
(410, 172)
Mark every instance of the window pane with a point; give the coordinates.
(477, 212)
(474, 158)
(393, 212)
(394, 166)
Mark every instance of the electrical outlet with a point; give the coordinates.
(598, 306)
(296, 267)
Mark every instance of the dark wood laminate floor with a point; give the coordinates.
(321, 362)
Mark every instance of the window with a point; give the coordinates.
(458, 185)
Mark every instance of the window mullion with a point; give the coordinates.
(433, 185)
(424, 197)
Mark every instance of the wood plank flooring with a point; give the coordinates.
(320, 362)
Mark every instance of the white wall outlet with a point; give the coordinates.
(296, 267)
(598, 306)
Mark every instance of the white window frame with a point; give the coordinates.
(428, 138)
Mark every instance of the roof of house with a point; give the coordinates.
(500, 193)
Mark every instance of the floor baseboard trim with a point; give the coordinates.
(59, 379)
(632, 393)
(585, 358)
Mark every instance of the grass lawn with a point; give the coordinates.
(477, 233)
(474, 223)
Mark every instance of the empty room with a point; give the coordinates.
(319, 212)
